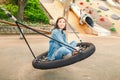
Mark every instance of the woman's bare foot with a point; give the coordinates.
(75, 52)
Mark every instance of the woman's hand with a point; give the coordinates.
(76, 51)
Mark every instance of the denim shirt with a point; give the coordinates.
(54, 45)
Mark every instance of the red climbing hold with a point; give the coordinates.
(90, 12)
(102, 19)
(87, 6)
(81, 3)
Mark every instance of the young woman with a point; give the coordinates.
(57, 50)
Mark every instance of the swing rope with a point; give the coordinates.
(44, 35)
(75, 33)
(25, 39)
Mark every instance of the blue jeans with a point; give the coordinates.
(62, 51)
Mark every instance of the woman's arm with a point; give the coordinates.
(56, 34)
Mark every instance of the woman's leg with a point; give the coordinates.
(73, 43)
(62, 52)
(67, 56)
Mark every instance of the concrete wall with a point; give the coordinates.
(14, 29)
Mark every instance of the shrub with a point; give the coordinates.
(34, 13)
(3, 15)
(11, 8)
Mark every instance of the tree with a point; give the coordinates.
(21, 5)
(66, 8)
(66, 12)
(73, 1)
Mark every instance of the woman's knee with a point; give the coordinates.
(73, 43)
(67, 56)
(63, 51)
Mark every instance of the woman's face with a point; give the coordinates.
(61, 24)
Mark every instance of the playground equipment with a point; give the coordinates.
(88, 20)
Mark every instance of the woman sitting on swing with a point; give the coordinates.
(57, 50)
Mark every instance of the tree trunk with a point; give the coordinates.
(21, 6)
(73, 1)
(66, 8)
(66, 13)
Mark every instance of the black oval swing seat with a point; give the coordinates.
(86, 50)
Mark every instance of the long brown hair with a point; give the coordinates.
(56, 24)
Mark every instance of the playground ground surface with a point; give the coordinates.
(16, 59)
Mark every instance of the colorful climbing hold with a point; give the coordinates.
(100, 15)
(90, 4)
(113, 23)
(87, 0)
(90, 12)
(102, 19)
(87, 6)
(99, 11)
(94, 19)
(81, 3)
(113, 29)
(106, 15)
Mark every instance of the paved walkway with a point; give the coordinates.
(16, 60)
